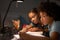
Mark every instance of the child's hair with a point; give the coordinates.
(34, 10)
(51, 9)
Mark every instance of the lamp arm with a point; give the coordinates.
(3, 30)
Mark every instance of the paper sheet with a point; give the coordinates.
(35, 34)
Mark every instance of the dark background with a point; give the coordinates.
(21, 10)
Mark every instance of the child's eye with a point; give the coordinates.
(43, 16)
(39, 17)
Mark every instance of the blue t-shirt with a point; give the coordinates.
(23, 21)
(55, 27)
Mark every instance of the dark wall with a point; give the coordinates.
(21, 10)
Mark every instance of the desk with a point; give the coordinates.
(26, 36)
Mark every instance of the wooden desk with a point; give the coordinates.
(25, 36)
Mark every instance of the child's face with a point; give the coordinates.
(45, 19)
(33, 17)
(16, 23)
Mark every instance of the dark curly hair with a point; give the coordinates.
(51, 9)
